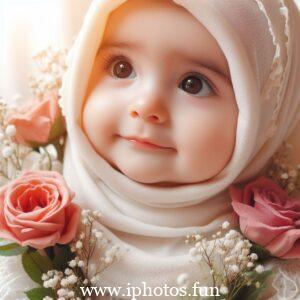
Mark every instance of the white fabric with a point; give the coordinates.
(259, 41)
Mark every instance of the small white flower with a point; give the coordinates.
(99, 235)
(224, 290)
(69, 271)
(64, 282)
(108, 260)
(72, 279)
(81, 264)
(234, 268)
(73, 263)
(2, 136)
(79, 245)
(285, 176)
(259, 269)
(245, 252)
(47, 298)
(45, 277)
(71, 294)
(85, 212)
(182, 280)
(85, 281)
(221, 252)
(94, 280)
(62, 292)
(225, 225)
(7, 151)
(253, 256)
(229, 259)
(229, 243)
(51, 273)
(257, 284)
(250, 264)
(11, 130)
(231, 234)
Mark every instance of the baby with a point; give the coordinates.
(160, 106)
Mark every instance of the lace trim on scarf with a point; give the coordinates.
(275, 85)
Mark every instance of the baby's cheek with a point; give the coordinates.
(100, 121)
(206, 143)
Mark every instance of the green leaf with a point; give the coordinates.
(39, 293)
(35, 265)
(63, 255)
(252, 292)
(12, 249)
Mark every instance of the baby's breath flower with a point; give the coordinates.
(10, 130)
(259, 269)
(69, 271)
(234, 268)
(257, 284)
(73, 263)
(71, 294)
(79, 245)
(45, 277)
(7, 151)
(99, 235)
(62, 292)
(81, 264)
(253, 256)
(225, 225)
(64, 282)
(224, 290)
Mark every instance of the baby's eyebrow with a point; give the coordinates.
(128, 45)
(210, 66)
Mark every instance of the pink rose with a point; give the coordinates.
(38, 121)
(268, 217)
(36, 210)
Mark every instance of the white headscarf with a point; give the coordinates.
(260, 43)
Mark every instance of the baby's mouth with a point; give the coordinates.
(145, 143)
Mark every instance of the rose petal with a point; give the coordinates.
(284, 243)
(261, 233)
(73, 213)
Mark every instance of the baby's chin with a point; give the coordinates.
(146, 179)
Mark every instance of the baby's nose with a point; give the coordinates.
(151, 111)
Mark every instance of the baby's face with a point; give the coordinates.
(160, 78)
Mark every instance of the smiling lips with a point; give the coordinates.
(144, 143)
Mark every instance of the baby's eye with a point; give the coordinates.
(123, 69)
(196, 85)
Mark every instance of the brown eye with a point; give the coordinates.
(196, 85)
(123, 69)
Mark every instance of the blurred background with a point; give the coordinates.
(29, 26)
